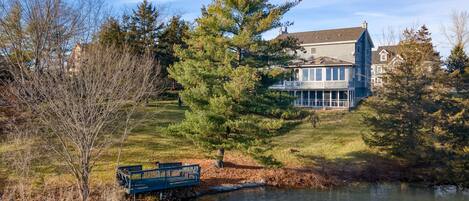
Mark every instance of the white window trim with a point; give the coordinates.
(383, 57)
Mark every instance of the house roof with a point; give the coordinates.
(325, 36)
(319, 61)
(391, 50)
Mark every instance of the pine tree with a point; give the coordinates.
(111, 33)
(457, 60)
(142, 28)
(401, 107)
(225, 74)
(141, 35)
(457, 63)
(174, 34)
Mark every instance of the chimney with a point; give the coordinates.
(365, 25)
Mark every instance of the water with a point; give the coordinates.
(362, 192)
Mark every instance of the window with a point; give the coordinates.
(305, 74)
(328, 73)
(312, 97)
(319, 74)
(342, 95)
(319, 97)
(305, 98)
(383, 56)
(298, 97)
(296, 76)
(311, 74)
(342, 73)
(327, 98)
(335, 73)
(379, 69)
(313, 50)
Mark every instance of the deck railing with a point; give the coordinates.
(285, 85)
(136, 180)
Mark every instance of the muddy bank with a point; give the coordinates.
(241, 170)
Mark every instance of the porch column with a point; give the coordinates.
(348, 98)
(316, 98)
(301, 98)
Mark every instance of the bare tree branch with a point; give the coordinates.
(458, 32)
(81, 109)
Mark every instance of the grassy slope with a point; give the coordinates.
(337, 137)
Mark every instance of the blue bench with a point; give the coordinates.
(135, 180)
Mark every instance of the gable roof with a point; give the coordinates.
(326, 36)
(391, 50)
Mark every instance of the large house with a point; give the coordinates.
(333, 71)
(383, 57)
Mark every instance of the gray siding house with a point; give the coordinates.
(382, 58)
(333, 71)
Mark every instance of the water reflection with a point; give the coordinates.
(361, 192)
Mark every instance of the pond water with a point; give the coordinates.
(361, 192)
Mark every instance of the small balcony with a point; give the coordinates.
(293, 85)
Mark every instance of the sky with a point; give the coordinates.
(309, 15)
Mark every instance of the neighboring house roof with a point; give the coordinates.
(391, 50)
(327, 36)
(319, 61)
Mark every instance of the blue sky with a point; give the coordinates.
(382, 15)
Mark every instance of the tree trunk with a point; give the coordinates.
(219, 159)
(84, 187)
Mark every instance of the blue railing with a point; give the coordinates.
(136, 180)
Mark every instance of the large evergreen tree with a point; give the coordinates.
(174, 34)
(111, 33)
(457, 63)
(142, 28)
(225, 74)
(400, 108)
(457, 60)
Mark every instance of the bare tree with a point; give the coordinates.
(81, 110)
(458, 32)
(389, 36)
(39, 34)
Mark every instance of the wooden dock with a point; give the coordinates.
(167, 176)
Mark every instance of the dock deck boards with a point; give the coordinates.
(136, 180)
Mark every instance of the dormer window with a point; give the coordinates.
(383, 56)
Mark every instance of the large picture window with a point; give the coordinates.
(328, 74)
(335, 73)
(342, 73)
(319, 74)
(305, 74)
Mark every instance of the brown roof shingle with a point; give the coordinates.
(391, 49)
(325, 36)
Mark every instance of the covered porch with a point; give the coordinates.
(324, 99)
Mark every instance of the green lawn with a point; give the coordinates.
(338, 137)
